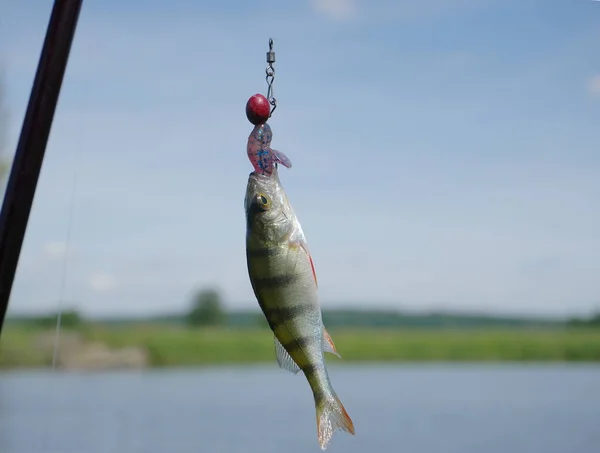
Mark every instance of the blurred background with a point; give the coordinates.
(446, 176)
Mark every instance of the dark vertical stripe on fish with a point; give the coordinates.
(299, 343)
(311, 372)
(276, 281)
(272, 325)
(280, 315)
(311, 369)
(263, 252)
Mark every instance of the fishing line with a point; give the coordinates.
(76, 130)
(63, 284)
(68, 234)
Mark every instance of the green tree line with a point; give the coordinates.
(206, 308)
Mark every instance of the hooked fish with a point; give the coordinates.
(261, 155)
(284, 281)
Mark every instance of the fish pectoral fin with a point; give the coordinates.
(312, 265)
(328, 345)
(284, 359)
(281, 158)
(292, 257)
(297, 246)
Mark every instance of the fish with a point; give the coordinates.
(261, 155)
(284, 281)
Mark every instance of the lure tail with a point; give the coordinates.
(331, 417)
(281, 158)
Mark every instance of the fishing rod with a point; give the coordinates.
(33, 140)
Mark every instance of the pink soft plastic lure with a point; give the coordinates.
(261, 155)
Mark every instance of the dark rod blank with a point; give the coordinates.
(31, 148)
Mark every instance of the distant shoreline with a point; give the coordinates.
(142, 346)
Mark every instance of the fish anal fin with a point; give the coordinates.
(284, 359)
(328, 345)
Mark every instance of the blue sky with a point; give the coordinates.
(446, 153)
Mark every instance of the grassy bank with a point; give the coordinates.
(175, 346)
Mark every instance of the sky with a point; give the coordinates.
(446, 154)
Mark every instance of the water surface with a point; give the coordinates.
(411, 408)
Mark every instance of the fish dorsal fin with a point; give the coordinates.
(328, 345)
(284, 359)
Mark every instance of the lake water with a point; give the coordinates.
(411, 408)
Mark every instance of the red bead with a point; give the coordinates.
(258, 109)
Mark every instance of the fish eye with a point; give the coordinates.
(263, 201)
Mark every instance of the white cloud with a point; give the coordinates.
(594, 85)
(101, 282)
(336, 9)
(388, 10)
(55, 250)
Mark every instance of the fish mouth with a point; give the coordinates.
(260, 176)
(261, 183)
(255, 176)
(258, 182)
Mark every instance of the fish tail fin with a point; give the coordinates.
(331, 417)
